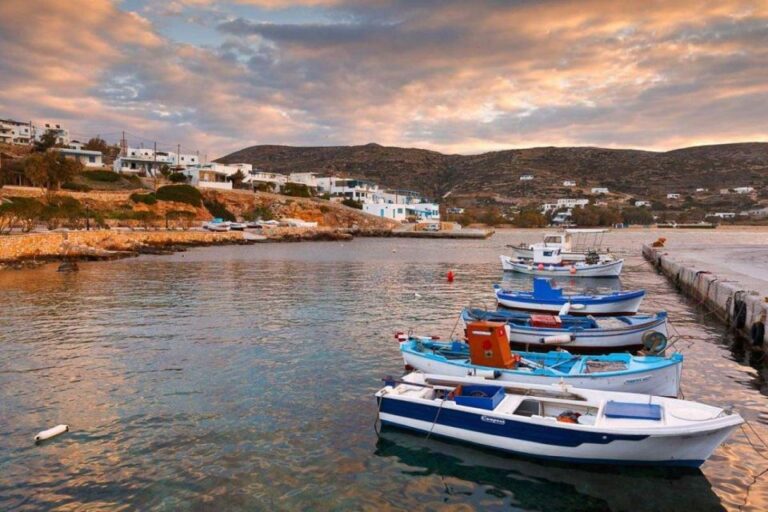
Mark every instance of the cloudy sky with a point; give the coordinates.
(454, 76)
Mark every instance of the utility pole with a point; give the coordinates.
(123, 146)
(178, 154)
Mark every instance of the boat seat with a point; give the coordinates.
(632, 411)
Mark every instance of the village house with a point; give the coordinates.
(149, 162)
(642, 203)
(61, 133)
(701, 190)
(572, 202)
(724, 215)
(526, 177)
(743, 190)
(421, 212)
(86, 157)
(673, 196)
(599, 190)
(569, 183)
(16, 132)
(348, 188)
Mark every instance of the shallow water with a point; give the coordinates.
(241, 378)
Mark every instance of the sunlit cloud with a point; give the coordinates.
(441, 75)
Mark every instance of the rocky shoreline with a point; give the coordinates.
(23, 251)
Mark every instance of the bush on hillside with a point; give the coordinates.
(218, 210)
(103, 176)
(180, 193)
(22, 212)
(259, 213)
(76, 187)
(143, 198)
(297, 190)
(353, 204)
(177, 177)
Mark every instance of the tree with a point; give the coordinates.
(237, 178)
(180, 217)
(177, 177)
(47, 141)
(97, 144)
(637, 215)
(530, 219)
(36, 170)
(352, 203)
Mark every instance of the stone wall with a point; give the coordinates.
(734, 304)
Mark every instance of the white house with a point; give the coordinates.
(84, 156)
(743, 190)
(15, 132)
(569, 202)
(304, 178)
(526, 177)
(62, 134)
(276, 180)
(642, 203)
(725, 191)
(599, 190)
(701, 189)
(348, 188)
(148, 161)
(455, 211)
(208, 176)
(402, 212)
(569, 183)
(673, 196)
(723, 215)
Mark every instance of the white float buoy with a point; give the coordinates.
(417, 295)
(51, 432)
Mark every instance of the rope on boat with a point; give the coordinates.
(378, 415)
(436, 416)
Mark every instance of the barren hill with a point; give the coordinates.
(498, 172)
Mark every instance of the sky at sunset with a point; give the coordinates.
(454, 76)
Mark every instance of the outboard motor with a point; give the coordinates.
(592, 258)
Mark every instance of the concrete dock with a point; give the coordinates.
(730, 281)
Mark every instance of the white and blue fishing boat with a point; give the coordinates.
(575, 333)
(550, 263)
(623, 372)
(557, 421)
(545, 298)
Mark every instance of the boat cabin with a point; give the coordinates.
(547, 255)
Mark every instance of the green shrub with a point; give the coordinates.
(177, 177)
(63, 210)
(144, 198)
(218, 210)
(180, 193)
(104, 176)
(353, 204)
(259, 213)
(23, 212)
(77, 187)
(296, 190)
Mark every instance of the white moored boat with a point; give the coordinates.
(550, 263)
(557, 421)
(574, 244)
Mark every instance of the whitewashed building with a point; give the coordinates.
(402, 212)
(569, 202)
(673, 196)
(149, 162)
(599, 190)
(526, 177)
(743, 190)
(364, 191)
(84, 156)
(16, 132)
(62, 134)
(569, 183)
(724, 215)
(642, 203)
(308, 179)
(701, 190)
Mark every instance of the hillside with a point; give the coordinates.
(621, 170)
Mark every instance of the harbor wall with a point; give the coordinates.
(739, 307)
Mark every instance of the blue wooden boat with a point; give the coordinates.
(623, 372)
(544, 297)
(574, 333)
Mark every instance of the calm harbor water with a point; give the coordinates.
(241, 378)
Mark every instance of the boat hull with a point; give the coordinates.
(519, 437)
(620, 307)
(604, 269)
(662, 381)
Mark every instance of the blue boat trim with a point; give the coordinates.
(507, 427)
(685, 463)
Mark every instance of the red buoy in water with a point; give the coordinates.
(450, 276)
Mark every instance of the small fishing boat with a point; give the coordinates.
(550, 263)
(217, 225)
(545, 298)
(574, 333)
(237, 226)
(623, 372)
(574, 244)
(557, 421)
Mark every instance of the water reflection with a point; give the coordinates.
(545, 486)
